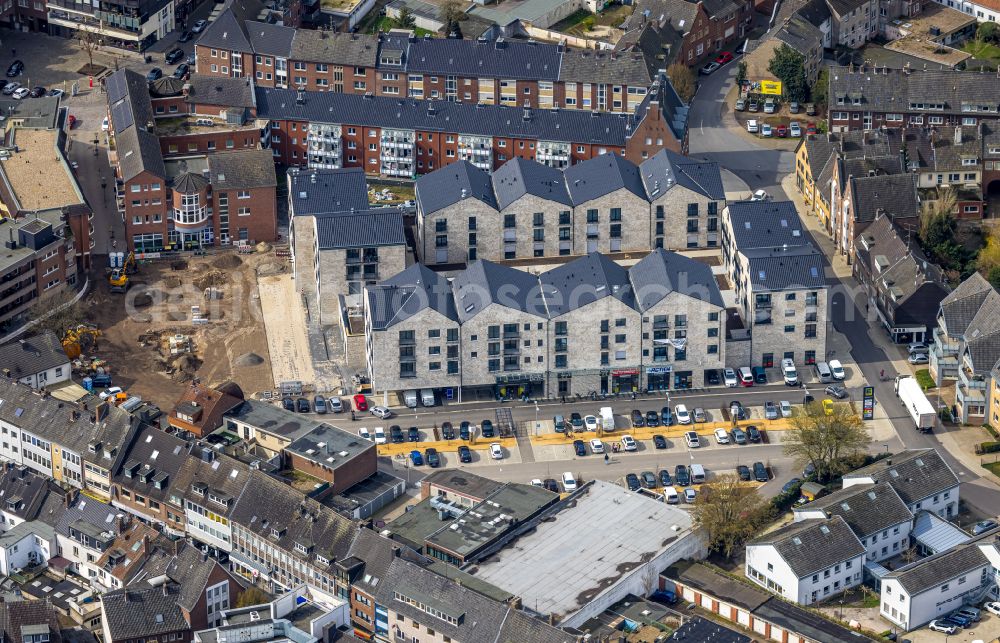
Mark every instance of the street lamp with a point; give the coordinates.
(536, 418)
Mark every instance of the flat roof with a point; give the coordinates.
(329, 446)
(363, 492)
(272, 419)
(37, 173)
(577, 553)
(925, 49)
(59, 592)
(934, 15)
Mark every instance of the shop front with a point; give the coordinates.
(658, 378)
(520, 386)
(621, 380)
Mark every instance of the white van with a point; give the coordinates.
(569, 482)
(788, 372)
(410, 398)
(670, 494)
(426, 397)
(697, 474)
(823, 372)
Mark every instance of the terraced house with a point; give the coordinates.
(490, 72)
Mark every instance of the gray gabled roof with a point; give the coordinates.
(313, 192)
(934, 571)
(453, 183)
(982, 337)
(959, 308)
(602, 175)
(893, 90)
(810, 546)
(131, 117)
(867, 508)
(502, 58)
(665, 169)
(582, 282)
(228, 30)
(586, 66)
(893, 195)
(792, 268)
(765, 224)
(661, 272)
(362, 229)
(357, 50)
(219, 90)
(519, 176)
(484, 283)
(268, 39)
(32, 355)
(139, 612)
(915, 474)
(404, 295)
(235, 169)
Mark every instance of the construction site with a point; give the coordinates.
(169, 321)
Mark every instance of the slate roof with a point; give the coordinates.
(484, 283)
(452, 183)
(868, 509)
(27, 487)
(676, 16)
(362, 229)
(894, 90)
(321, 191)
(229, 30)
(268, 39)
(235, 169)
(83, 513)
(919, 474)
(138, 152)
(809, 546)
(33, 355)
(224, 476)
(503, 58)
(660, 273)
(376, 554)
(601, 175)
(934, 571)
(519, 176)
(356, 50)
(800, 34)
(982, 337)
(792, 268)
(894, 195)
(665, 169)
(819, 150)
(131, 113)
(166, 86)
(960, 306)
(219, 90)
(189, 183)
(586, 66)
(188, 568)
(406, 294)
(583, 281)
(765, 224)
(269, 503)
(164, 453)
(139, 612)
(462, 118)
(15, 615)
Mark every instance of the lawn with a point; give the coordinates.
(581, 21)
(993, 467)
(924, 379)
(385, 23)
(982, 50)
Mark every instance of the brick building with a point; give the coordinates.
(332, 455)
(685, 31)
(500, 72)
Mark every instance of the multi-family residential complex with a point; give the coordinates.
(780, 284)
(684, 31)
(507, 72)
(588, 325)
(605, 204)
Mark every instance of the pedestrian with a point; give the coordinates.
(607, 460)
(881, 374)
(352, 416)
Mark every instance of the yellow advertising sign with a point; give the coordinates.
(772, 87)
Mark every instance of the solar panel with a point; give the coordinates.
(122, 116)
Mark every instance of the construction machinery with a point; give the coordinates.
(121, 268)
(78, 339)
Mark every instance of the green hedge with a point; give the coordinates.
(988, 447)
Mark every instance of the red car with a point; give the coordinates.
(360, 403)
(72, 121)
(724, 58)
(810, 128)
(781, 131)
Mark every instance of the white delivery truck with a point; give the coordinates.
(607, 419)
(916, 403)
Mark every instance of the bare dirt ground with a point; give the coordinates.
(285, 321)
(231, 345)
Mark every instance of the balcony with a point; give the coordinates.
(78, 21)
(190, 218)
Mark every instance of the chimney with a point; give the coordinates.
(527, 112)
(178, 546)
(102, 411)
(69, 498)
(122, 521)
(430, 109)
(958, 135)
(300, 96)
(312, 178)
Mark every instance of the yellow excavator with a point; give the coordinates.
(118, 279)
(76, 340)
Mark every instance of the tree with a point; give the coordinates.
(818, 92)
(731, 512)
(831, 443)
(682, 78)
(988, 32)
(452, 11)
(788, 66)
(251, 596)
(741, 73)
(937, 232)
(406, 19)
(88, 43)
(56, 313)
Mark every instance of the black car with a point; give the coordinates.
(447, 431)
(791, 485)
(743, 471)
(637, 418)
(632, 481)
(432, 458)
(648, 479)
(580, 447)
(759, 472)
(174, 55)
(38, 92)
(737, 411)
(302, 405)
(288, 403)
(712, 377)
(487, 428)
(16, 69)
(659, 441)
(181, 71)
(395, 434)
(576, 420)
(186, 36)
(154, 74)
(551, 485)
(666, 416)
(808, 398)
(464, 454)
(413, 434)
(681, 475)
(464, 430)
(753, 433)
(652, 418)
(665, 480)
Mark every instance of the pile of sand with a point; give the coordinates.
(213, 278)
(227, 262)
(248, 359)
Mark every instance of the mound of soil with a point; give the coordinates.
(170, 281)
(227, 262)
(179, 265)
(248, 359)
(143, 300)
(213, 278)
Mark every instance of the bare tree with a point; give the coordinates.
(731, 511)
(829, 441)
(683, 80)
(88, 42)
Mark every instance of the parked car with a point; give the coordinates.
(753, 434)
(712, 377)
(971, 613)
(729, 375)
(381, 412)
(739, 435)
(551, 485)
(652, 419)
(199, 26)
(743, 471)
(596, 446)
(828, 406)
(837, 369)
(794, 130)
(809, 471)
(632, 482)
(335, 405)
(569, 481)
(765, 130)
(709, 68)
(691, 440)
(753, 106)
(486, 428)
(364, 434)
(576, 421)
(447, 431)
(943, 626)
(666, 416)
(416, 458)
(958, 619)
(38, 92)
(918, 358)
(496, 451)
(752, 125)
(721, 437)
(181, 71)
(737, 411)
(690, 495)
(628, 443)
(579, 448)
(105, 126)
(379, 435)
(173, 56)
(360, 402)
(724, 58)
(591, 422)
(770, 106)
(464, 454)
(793, 107)
(993, 607)
(664, 476)
(683, 417)
(810, 109)
(464, 430)
(559, 422)
(810, 129)
(682, 476)
(185, 36)
(21, 92)
(781, 131)
(16, 68)
(917, 347)
(659, 441)
(791, 485)
(838, 392)
(648, 479)
(154, 74)
(396, 434)
(759, 472)
(319, 403)
(638, 419)
(413, 434)
(741, 105)
(699, 415)
(302, 405)
(287, 403)
(786, 408)
(432, 457)
(983, 526)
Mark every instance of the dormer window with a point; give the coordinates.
(199, 488)
(302, 549)
(322, 560)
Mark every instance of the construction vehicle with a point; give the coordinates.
(119, 277)
(78, 339)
